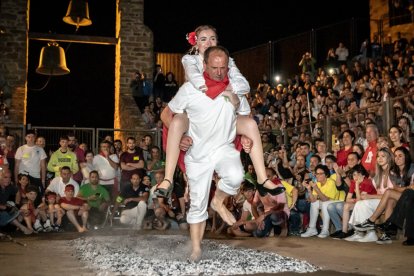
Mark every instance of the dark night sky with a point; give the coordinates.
(85, 96)
(243, 24)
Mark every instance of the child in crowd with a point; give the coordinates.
(22, 183)
(33, 215)
(54, 211)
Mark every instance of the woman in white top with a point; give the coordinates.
(365, 207)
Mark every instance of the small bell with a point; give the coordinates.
(78, 13)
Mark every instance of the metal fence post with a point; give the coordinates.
(327, 132)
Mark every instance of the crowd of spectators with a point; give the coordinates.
(343, 190)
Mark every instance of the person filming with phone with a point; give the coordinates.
(97, 198)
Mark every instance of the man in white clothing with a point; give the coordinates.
(58, 184)
(106, 163)
(213, 129)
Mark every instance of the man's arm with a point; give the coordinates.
(16, 169)
(43, 172)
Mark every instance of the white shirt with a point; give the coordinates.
(30, 158)
(212, 122)
(106, 172)
(193, 67)
(57, 186)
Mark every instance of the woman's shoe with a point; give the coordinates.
(263, 190)
(162, 192)
(408, 242)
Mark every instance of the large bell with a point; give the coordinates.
(78, 13)
(52, 61)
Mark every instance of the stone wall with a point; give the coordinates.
(13, 57)
(133, 52)
(379, 12)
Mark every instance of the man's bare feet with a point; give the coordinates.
(195, 255)
(82, 229)
(222, 211)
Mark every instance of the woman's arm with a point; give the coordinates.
(193, 68)
(238, 81)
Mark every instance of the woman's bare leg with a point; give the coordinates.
(247, 126)
(178, 126)
(382, 206)
(345, 216)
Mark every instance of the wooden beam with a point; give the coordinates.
(74, 38)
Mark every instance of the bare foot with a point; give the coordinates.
(27, 231)
(82, 229)
(195, 255)
(222, 211)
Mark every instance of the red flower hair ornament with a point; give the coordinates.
(191, 38)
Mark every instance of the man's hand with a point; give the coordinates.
(186, 142)
(247, 143)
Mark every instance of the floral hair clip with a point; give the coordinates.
(191, 38)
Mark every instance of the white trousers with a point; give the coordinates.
(363, 209)
(226, 162)
(314, 213)
(134, 216)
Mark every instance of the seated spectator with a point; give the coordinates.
(321, 193)
(58, 184)
(347, 138)
(246, 225)
(339, 212)
(134, 197)
(97, 198)
(8, 210)
(400, 176)
(396, 136)
(54, 211)
(365, 207)
(295, 220)
(33, 215)
(74, 207)
(23, 182)
(276, 212)
(402, 217)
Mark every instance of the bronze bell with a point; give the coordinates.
(52, 61)
(78, 13)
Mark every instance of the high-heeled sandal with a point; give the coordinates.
(263, 190)
(162, 192)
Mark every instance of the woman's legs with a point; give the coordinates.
(345, 216)
(178, 126)
(248, 127)
(382, 206)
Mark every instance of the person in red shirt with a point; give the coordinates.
(74, 204)
(347, 138)
(369, 160)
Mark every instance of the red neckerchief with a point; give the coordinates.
(215, 87)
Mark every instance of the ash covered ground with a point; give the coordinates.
(167, 255)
